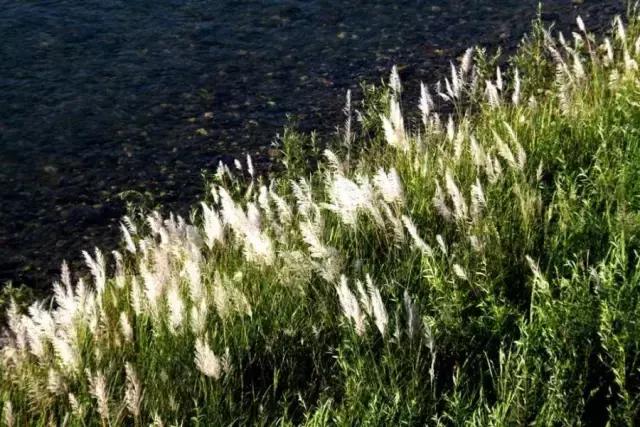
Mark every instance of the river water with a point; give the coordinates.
(104, 101)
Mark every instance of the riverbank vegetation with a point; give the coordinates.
(475, 263)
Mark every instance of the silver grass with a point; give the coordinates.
(477, 152)
(133, 391)
(499, 81)
(441, 244)
(176, 307)
(98, 269)
(136, 296)
(125, 327)
(364, 298)
(213, 228)
(478, 201)
(439, 202)
(7, 414)
(394, 127)
(413, 317)
(417, 240)
(119, 275)
(206, 361)
(350, 306)
(426, 103)
(237, 164)
(396, 223)
(55, 382)
(581, 25)
(379, 311)
(451, 129)
(250, 166)
(130, 245)
(459, 271)
(66, 352)
(389, 186)
(332, 159)
(311, 236)
(515, 97)
(504, 151)
(492, 95)
(264, 202)
(394, 81)
(459, 205)
(467, 61)
(284, 210)
(98, 389)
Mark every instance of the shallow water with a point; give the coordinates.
(105, 101)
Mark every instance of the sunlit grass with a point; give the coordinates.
(476, 268)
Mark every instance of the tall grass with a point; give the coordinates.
(473, 269)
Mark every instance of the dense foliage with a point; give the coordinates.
(478, 268)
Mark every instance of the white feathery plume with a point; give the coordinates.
(456, 81)
(365, 298)
(398, 229)
(581, 25)
(620, 30)
(413, 317)
(199, 315)
(477, 152)
(131, 247)
(637, 46)
(136, 296)
(467, 61)
(133, 391)
(440, 203)
(394, 81)
(250, 166)
(304, 197)
(379, 311)
(442, 244)
(417, 240)
(237, 164)
(253, 217)
(119, 276)
(213, 228)
(125, 327)
(311, 236)
(206, 361)
(284, 211)
(193, 275)
(97, 268)
(55, 382)
(515, 98)
(578, 68)
(426, 103)
(348, 198)
(504, 151)
(499, 81)
(334, 162)
(264, 203)
(459, 205)
(7, 414)
(389, 185)
(176, 306)
(98, 389)
(394, 127)
(478, 201)
(350, 306)
(459, 271)
(451, 129)
(492, 94)
(66, 353)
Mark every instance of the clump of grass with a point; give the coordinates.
(479, 268)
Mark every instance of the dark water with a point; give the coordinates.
(100, 97)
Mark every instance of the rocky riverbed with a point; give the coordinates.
(105, 102)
